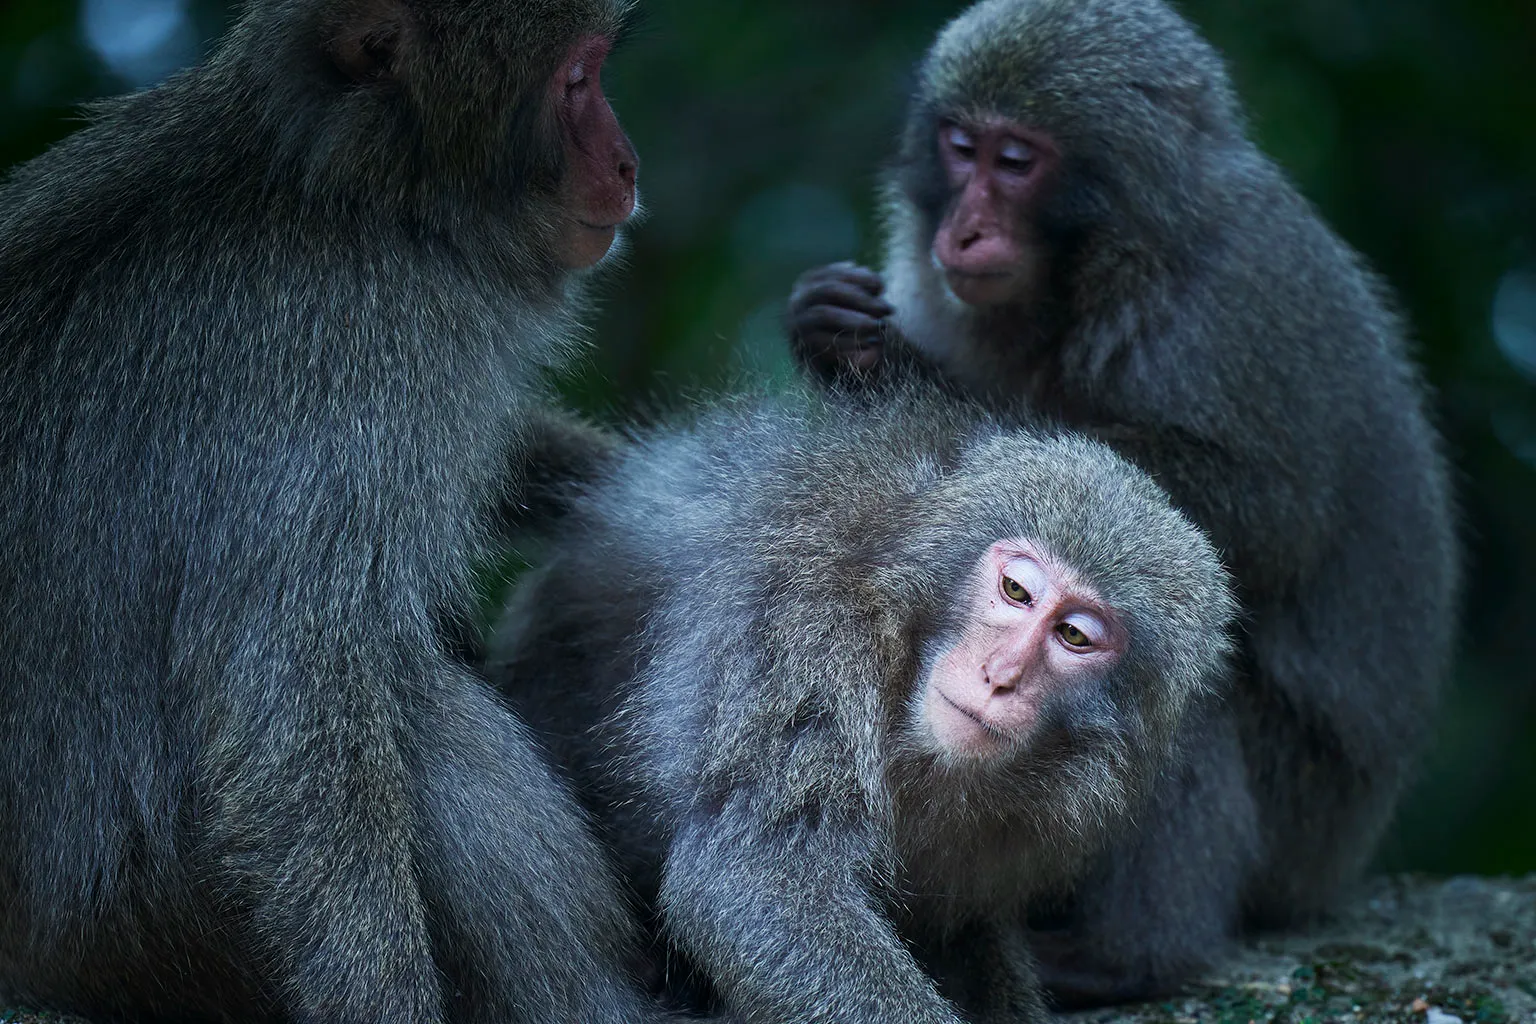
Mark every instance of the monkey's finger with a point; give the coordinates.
(833, 353)
(846, 342)
(862, 278)
(865, 358)
(861, 350)
(833, 321)
(829, 352)
(854, 273)
(842, 293)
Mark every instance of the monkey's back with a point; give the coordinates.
(217, 391)
(1335, 408)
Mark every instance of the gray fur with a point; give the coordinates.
(271, 338)
(1201, 318)
(726, 646)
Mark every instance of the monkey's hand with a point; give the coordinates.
(837, 321)
(555, 451)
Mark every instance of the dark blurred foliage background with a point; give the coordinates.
(1410, 123)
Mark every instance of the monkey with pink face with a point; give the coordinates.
(848, 685)
(1078, 225)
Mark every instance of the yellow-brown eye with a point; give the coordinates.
(1073, 636)
(1013, 590)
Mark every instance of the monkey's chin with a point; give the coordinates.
(587, 244)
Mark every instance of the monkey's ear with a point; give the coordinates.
(368, 38)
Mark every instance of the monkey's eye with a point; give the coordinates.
(959, 140)
(1074, 636)
(1015, 155)
(577, 76)
(1013, 590)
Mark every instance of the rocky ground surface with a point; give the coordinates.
(1405, 951)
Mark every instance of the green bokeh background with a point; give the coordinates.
(1410, 123)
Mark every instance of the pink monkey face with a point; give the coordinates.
(1029, 629)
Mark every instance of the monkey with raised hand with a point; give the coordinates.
(848, 687)
(272, 329)
(1077, 221)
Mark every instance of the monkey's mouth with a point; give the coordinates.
(610, 214)
(963, 731)
(978, 276)
(981, 288)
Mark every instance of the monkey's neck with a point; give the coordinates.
(999, 354)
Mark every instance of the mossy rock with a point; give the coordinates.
(1405, 950)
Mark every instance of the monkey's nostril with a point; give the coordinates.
(1000, 683)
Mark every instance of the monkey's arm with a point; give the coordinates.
(556, 451)
(783, 917)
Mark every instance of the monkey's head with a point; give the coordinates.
(1039, 123)
(483, 116)
(1081, 613)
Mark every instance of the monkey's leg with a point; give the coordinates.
(1165, 901)
(1332, 731)
(309, 829)
(528, 920)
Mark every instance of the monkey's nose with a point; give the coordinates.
(627, 162)
(1012, 664)
(1000, 678)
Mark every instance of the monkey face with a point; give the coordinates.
(1028, 629)
(490, 112)
(597, 191)
(986, 246)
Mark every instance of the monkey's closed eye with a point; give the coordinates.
(1016, 156)
(960, 141)
(1013, 590)
(1073, 636)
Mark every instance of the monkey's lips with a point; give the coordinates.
(601, 233)
(982, 288)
